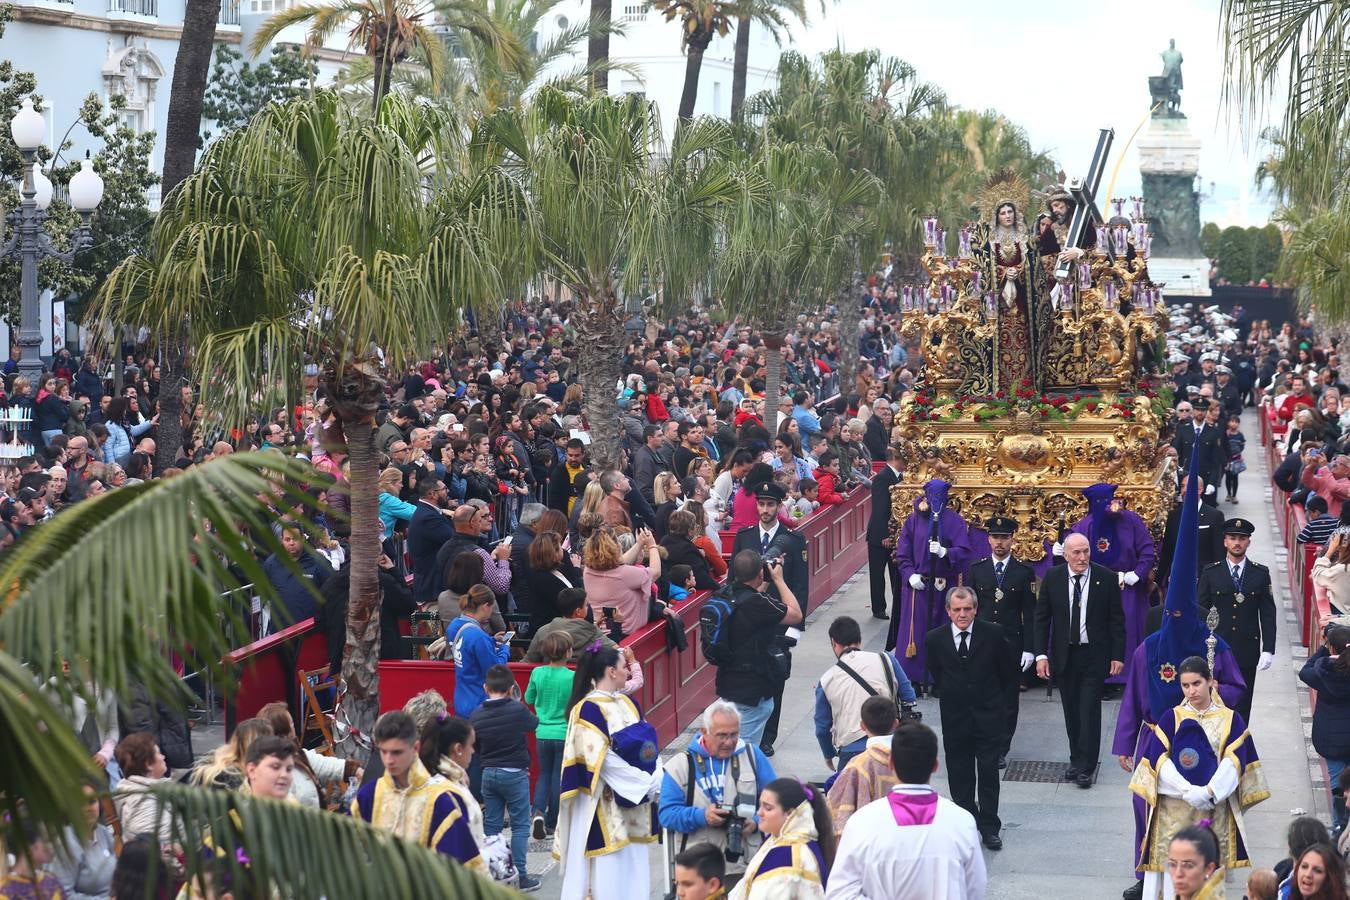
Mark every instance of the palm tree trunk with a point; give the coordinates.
(602, 340)
(773, 378)
(192, 64)
(361, 655)
(740, 67)
(597, 47)
(693, 64)
(850, 315)
(384, 73)
(169, 432)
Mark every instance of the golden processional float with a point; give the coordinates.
(1040, 371)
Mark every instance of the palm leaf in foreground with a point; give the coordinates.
(308, 854)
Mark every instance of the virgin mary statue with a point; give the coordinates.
(1006, 256)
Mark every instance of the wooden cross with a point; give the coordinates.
(1084, 192)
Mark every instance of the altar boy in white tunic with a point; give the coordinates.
(610, 772)
(910, 844)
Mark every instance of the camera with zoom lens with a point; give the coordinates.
(735, 826)
(775, 555)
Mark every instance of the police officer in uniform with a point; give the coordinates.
(1240, 588)
(1006, 589)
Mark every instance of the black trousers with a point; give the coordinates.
(879, 562)
(972, 774)
(1012, 696)
(1244, 705)
(771, 726)
(1081, 683)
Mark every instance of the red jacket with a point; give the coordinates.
(829, 488)
(1290, 400)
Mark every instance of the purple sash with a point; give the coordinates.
(913, 809)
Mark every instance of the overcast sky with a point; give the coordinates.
(1063, 71)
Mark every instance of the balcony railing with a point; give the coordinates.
(135, 7)
(229, 12)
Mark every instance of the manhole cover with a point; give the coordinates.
(1035, 771)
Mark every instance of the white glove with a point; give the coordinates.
(1209, 489)
(1264, 662)
(916, 581)
(937, 549)
(1128, 579)
(1057, 549)
(1027, 660)
(1198, 797)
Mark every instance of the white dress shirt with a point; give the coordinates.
(957, 632)
(1083, 604)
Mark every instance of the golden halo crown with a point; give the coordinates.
(1005, 187)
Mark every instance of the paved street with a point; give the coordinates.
(1061, 841)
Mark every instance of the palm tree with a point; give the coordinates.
(481, 80)
(611, 211)
(788, 244)
(191, 66)
(740, 68)
(875, 115)
(1297, 48)
(315, 233)
(386, 31)
(703, 20)
(102, 595)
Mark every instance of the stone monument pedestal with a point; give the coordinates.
(1169, 161)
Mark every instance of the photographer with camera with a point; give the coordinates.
(756, 663)
(774, 541)
(710, 791)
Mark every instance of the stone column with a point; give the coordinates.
(1169, 161)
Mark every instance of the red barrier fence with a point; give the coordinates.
(678, 685)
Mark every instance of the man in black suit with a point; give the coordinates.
(880, 557)
(1212, 455)
(972, 668)
(1241, 589)
(1006, 590)
(428, 531)
(1082, 601)
(770, 538)
(1210, 548)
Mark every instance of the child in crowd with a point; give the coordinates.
(28, 878)
(1320, 526)
(1237, 442)
(808, 499)
(548, 690)
(682, 582)
(501, 724)
(827, 478)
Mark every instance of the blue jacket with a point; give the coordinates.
(475, 653)
(672, 811)
(391, 508)
(117, 448)
(1331, 718)
(807, 422)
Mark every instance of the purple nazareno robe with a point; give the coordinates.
(1120, 541)
(1134, 705)
(923, 610)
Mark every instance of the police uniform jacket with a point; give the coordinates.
(1017, 608)
(1248, 626)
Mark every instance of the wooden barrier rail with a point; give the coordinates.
(678, 685)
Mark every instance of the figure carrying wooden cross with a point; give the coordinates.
(1067, 229)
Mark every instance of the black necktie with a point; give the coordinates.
(1076, 616)
(964, 649)
(998, 570)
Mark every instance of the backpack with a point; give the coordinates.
(714, 627)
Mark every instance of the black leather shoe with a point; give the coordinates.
(766, 749)
(993, 841)
(880, 615)
(1084, 780)
(1003, 762)
(1070, 774)
(1134, 891)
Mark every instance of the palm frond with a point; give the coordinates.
(115, 582)
(288, 850)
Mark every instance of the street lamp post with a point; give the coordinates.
(30, 243)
